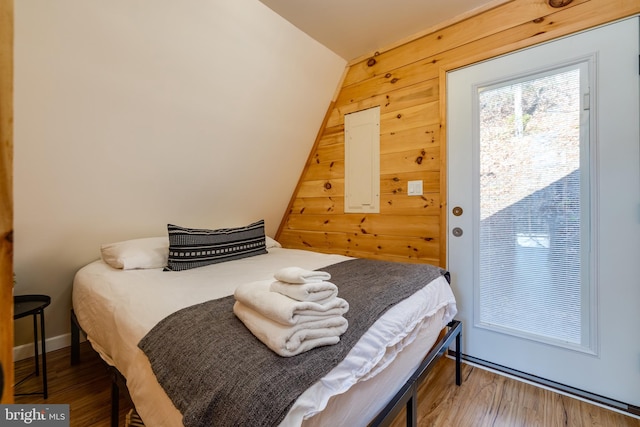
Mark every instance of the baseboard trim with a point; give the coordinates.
(596, 399)
(26, 351)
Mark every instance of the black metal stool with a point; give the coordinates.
(34, 305)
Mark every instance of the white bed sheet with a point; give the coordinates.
(116, 308)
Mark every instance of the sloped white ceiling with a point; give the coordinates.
(133, 114)
(352, 28)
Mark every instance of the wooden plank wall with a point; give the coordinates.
(408, 83)
(6, 198)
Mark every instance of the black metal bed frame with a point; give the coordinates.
(405, 398)
(117, 379)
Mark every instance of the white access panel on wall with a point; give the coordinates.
(362, 161)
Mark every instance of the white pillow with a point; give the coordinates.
(150, 252)
(270, 243)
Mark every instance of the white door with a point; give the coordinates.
(544, 162)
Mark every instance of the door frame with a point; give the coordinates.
(6, 198)
(606, 401)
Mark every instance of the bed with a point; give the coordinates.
(118, 305)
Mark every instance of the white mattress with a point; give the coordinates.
(116, 308)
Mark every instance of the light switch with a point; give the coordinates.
(414, 188)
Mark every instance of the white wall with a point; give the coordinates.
(133, 114)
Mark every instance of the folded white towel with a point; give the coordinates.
(283, 309)
(295, 339)
(300, 275)
(319, 292)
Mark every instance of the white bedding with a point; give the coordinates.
(116, 308)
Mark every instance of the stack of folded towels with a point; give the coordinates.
(298, 311)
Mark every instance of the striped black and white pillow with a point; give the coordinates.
(193, 247)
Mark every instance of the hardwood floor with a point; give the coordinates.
(86, 387)
(483, 399)
(488, 399)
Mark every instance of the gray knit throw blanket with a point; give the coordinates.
(218, 374)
